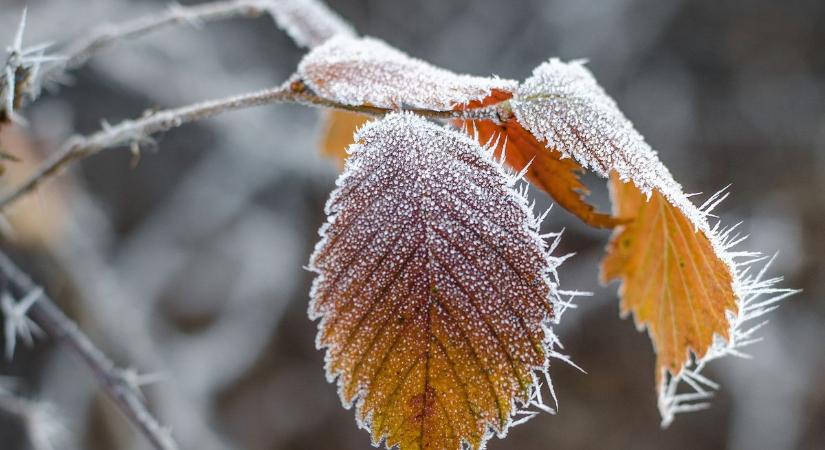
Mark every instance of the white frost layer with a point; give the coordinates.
(308, 22)
(358, 71)
(563, 104)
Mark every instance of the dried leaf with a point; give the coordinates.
(367, 71)
(338, 132)
(679, 277)
(434, 289)
(674, 282)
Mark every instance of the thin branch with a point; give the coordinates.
(111, 379)
(134, 132)
(77, 54)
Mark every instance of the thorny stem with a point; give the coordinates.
(135, 131)
(111, 379)
(78, 53)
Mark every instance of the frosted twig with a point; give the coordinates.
(308, 22)
(111, 379)
(131, 131)
(75, 55)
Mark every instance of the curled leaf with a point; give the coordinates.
(367, 71)
(679, 278)
(434, 289)
(674, 282)
(564, 106)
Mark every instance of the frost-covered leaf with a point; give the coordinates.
(681, 283)
(679, 277)
(564, 106)
(337, 132)
(434, 289)
(547, 169)
(367, 71)
(308, 22)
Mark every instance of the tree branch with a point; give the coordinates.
(134, 132)
(112, 380)
(308, 22)
(75, 55)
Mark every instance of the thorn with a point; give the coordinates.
(17, 45)
(17, 322)
(136, 381)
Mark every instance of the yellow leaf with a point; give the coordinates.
(433, 289)
(338, 130)
(673, 280)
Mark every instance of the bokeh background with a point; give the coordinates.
(190, 263)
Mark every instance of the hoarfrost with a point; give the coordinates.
(308, 22)
(367, 71)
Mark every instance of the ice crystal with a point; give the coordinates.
(367, 71)
(430, 254)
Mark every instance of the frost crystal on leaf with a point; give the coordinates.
(308, 22)
(367, 71)
(434, 289)
(563, 105)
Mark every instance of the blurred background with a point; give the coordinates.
(189, 262)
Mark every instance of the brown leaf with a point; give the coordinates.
(673, 280)
(433, 289)
(338, 130)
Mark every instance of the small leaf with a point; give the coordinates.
(367, 71)
(548, 169)
(338, 130)
(434, 289)
(674, 282)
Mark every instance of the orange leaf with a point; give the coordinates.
(338, 130)
(673, 280)
(433, 289)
